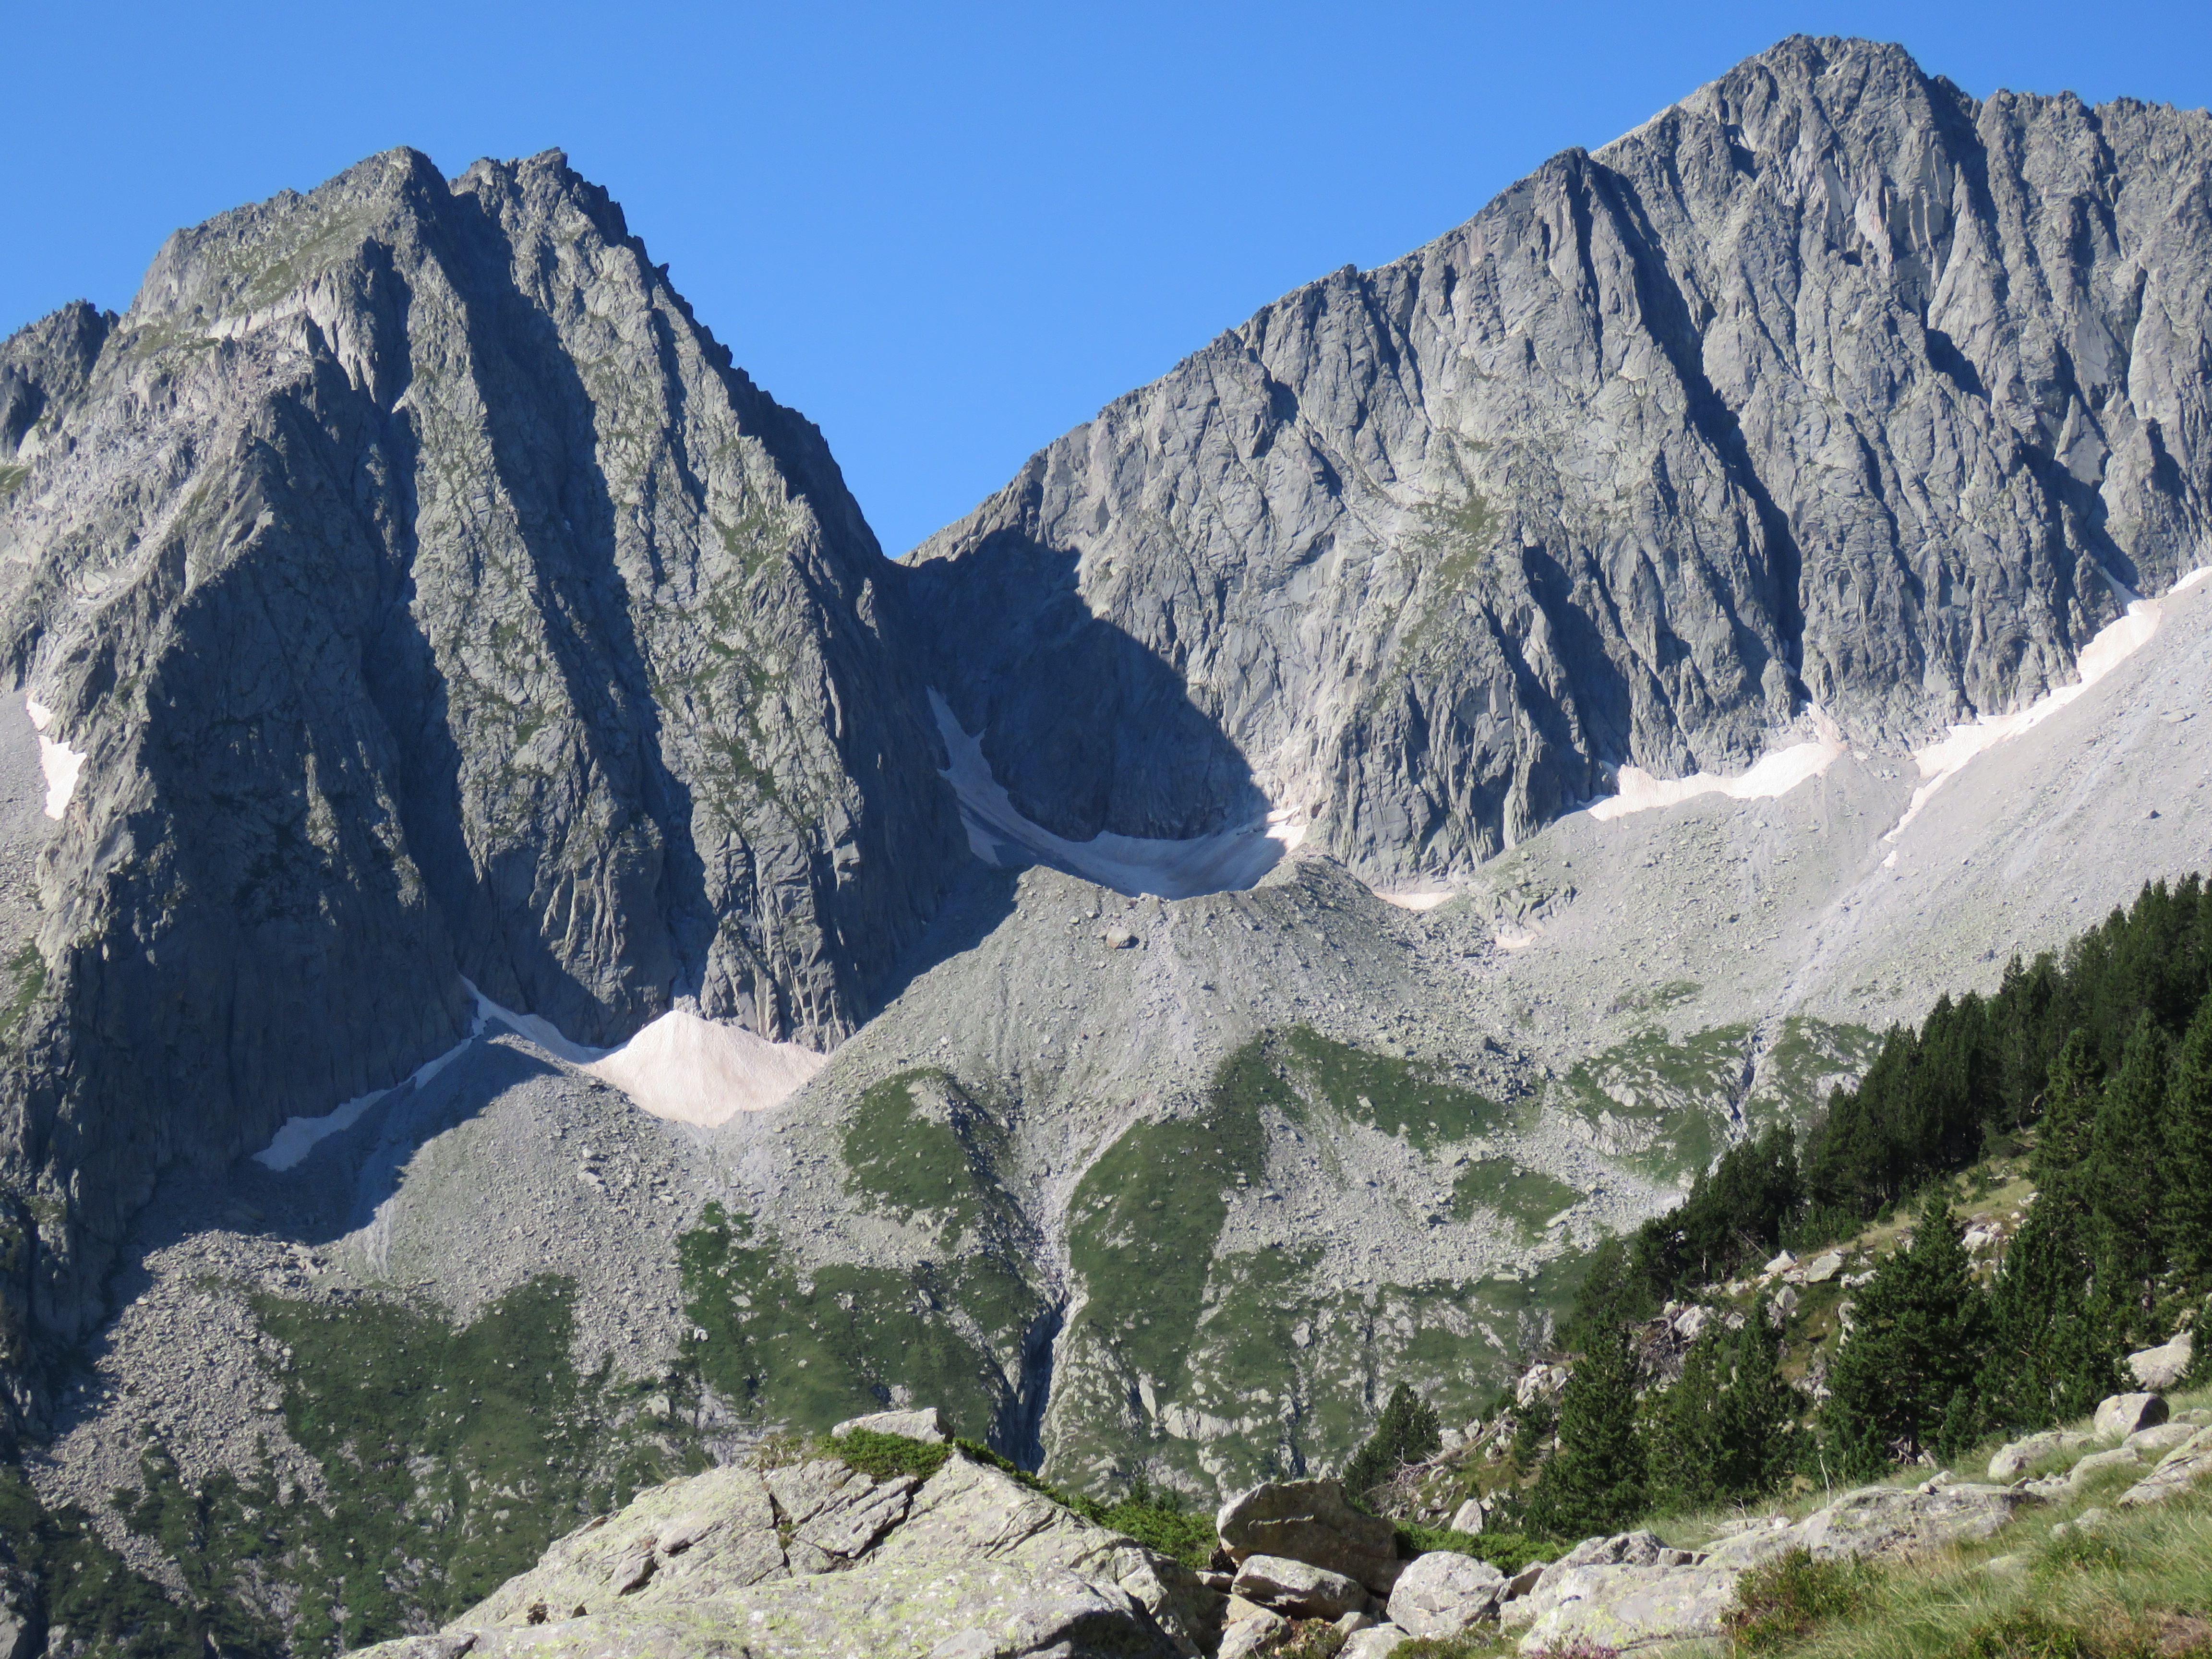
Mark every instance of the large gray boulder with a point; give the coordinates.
(2163, 1367)
(2123, 1415)
(2177, 1472)
(1298, 1588)
(2016, 1457)
(1310, 1521)
(1624, 1607)
(810, 1559)
(1907, 1520)
(1445, 1593)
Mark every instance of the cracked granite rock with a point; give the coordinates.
(1828, 386)
(428, 596)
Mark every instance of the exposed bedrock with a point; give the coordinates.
(1829, 384)
(428, 596)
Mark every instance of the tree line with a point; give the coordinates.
(2101, 1060)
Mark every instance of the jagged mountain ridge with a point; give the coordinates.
(427, 597)
(1828, 384)
(970, 1202)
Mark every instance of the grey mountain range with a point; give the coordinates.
(431, 610)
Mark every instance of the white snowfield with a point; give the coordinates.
(680, 1067)
(1227, 862)
(1943, 760)
(60, 763)
(1773, 774)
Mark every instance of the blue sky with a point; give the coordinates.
(946, 232)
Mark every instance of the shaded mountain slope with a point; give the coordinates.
(425, 596)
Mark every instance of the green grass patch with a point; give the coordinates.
(917, 1144)
(1508, 1551)
(1527, 1198)
(812, 1352)
(1659, 1106)
(82, 1585)
(1394, 1096)
(29, 967)
(1781, 1601)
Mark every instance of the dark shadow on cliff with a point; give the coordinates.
(1085, 728)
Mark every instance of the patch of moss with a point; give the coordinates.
(918, 1144)
(813, 1351)
(1528, 1198)
(28, 968)
(11, 478)
(1394, 1096)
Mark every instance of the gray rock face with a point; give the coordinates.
(428, 596)
(1827, 385)
(810, 1558)
(1444, 1594)
(2122, 1415)
(2164, 1366)
(1310, 1521)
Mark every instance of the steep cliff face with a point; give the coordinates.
(1828, 386)
(419, 592)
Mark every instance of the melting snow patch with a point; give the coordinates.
(679, 1067)
(1415, 898)
(1775, 774)
(700, 1071)
(299, 1135)
(1227, 862)
(2114, 644)
(60, 762)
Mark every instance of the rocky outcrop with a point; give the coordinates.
(810, 1558)
(1829, 384)
(425, 595)
(1311, 1521)
(2163, 1367)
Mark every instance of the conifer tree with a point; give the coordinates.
(1407, 1433)
(2051, 1353)
(1759, 1434)
(2189, 1141)
(1597, 1481)
(1917, 1338)
(2126, 1179)
(1688, 1443)
(2070, 1098)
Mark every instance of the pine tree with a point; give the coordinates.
(2069, 1105)
(1760, 1437)
(1597, 1481)
(2051, 1351)
(1688, 1442)
(2188, 1140)
(1407, 1433)
(1918, 1337)
(2125, 1178)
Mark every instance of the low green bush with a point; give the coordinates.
(1786, 1598)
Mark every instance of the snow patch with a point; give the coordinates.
(1944, 759)
(691, 1069)
(1414, 898)
(678, 1066)
(299, 1135)
(998, 835)
(1775, 774)
(60, 763)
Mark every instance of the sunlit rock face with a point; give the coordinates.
(1827, 387)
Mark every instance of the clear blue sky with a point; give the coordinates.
(946, 233)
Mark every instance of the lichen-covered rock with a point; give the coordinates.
(2016, 1457)
(2122, 1415)
(927, 1425)
(2163, 1367)
(1626, 1607)
(812, 1558)
(2179, 1470)
(1310, 1521)
(1443, 1593)
(1906, 1519)
(1297, 1588)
